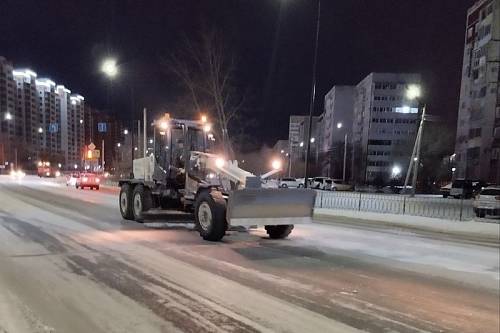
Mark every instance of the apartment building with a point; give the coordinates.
(336, 130)
(384, 126)
(477, 147)
(7, 111)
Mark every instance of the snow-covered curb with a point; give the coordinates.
(467, 229)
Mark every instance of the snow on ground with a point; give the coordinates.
(458, 261)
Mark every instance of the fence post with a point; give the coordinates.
(404, 205)
(461, 206)
(359, 204)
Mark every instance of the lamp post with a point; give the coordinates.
(413, 93)
(111, 69)
(313, 93)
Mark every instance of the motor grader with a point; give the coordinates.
(182, 180)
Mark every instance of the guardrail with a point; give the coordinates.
(451, 209)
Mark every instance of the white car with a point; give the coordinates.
(322, 183)
(288, 183)
(487, 202)
(340, 185)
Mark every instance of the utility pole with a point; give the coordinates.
(102, 156)
(415, 156)
(345, 157)
(313, 94)
(144, 130)
(138, 138)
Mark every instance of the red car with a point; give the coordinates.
(89, 180)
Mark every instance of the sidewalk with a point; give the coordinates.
(467, 230)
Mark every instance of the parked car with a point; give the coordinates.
(487, 202)
(321, 183)
(462, 188)
(340, 185)
(301, 182)
(288, 182)
(89, 180)
(445, 190)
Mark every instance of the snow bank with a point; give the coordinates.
(468, 229)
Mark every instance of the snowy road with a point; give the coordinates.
(69, 264)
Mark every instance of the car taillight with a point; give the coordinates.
(85, 179)
(97, 180)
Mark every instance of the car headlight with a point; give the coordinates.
(47, 173)
(97, 180)
(219, 162)
(58, 173)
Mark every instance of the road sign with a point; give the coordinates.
(102, 127)
(53, 127)
(91, 146)
(92, 155)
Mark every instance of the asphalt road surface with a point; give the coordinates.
(68, 263)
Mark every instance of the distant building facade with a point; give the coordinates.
(384, 126)
(39, 119)
(477, 145)
(99, 127)
(298, 134)
(8, 126)
(27, 115)
(336, 128)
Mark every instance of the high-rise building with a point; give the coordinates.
(7, 112)
(384, 126)
(50, 118)
(336, 130)
(477, 145)
(27, 115)
(63, 106)
(76, 130)
(38, 119)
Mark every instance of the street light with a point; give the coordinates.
(125, 131)
(301, 144)
(396, 171)
(312, 140)
(339, 125)
(109, 68)
(81, 121)
(164, 125)
(40, 130)
(413, 91)
(8, 116)
(118, 145)
(276, 164)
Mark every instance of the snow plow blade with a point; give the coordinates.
(270, 206)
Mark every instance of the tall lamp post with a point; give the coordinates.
(313, 94)
(111, 70)
(413, 93)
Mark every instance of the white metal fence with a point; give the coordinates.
(451, 209)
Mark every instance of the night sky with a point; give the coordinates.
(65, 40)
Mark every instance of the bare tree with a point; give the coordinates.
(206, 68)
